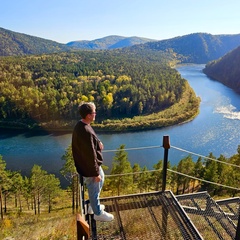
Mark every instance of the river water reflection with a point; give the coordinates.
(216, 129)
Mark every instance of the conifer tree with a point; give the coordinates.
(17, 188)
(144, 180)
(185, 166)
(121, 165)
(3, 180)
(52, 189)
(38, 184)
(136, 169)
(70, 173)
(198, 172)
(211, 174)
(156, 178)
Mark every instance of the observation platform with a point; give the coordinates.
(161, 215)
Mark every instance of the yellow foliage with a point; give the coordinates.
(91, 98)
(84, 98)
(7, 223)
(123, 79)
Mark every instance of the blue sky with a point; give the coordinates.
(70, 20)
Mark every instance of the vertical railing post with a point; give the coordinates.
(82, 226)
(166, 146)
(82, 200)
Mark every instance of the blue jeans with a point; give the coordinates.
(94, 189)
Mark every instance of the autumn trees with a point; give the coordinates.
(45, 88)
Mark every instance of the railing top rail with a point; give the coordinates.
(177, 148)
(130, 149)
(213, 159)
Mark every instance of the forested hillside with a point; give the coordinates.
(109, 42)
(47, 88)
(196, 47)
(192, 48)
(18, 44)
(226, 69)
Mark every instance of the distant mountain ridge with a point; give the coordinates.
(192, 48)
(195, 47)
(226, 69)
(18, 44)
(109, 42)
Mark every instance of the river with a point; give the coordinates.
(216, 129)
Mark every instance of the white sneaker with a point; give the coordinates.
(90, 211)
(104, 217)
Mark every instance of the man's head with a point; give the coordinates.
(87, 111)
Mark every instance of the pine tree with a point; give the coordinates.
(185, 166)
(211, 174)
(38, 184)
(121, 165)
(70, 173)
(156, 178)
(52, 189)
(3, 180)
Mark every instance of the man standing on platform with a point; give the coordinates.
(87, 155)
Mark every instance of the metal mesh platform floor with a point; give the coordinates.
(165, 216)
(208, 217)
(231, 208)
(144, 216)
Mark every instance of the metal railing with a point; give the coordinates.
(166, 146)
